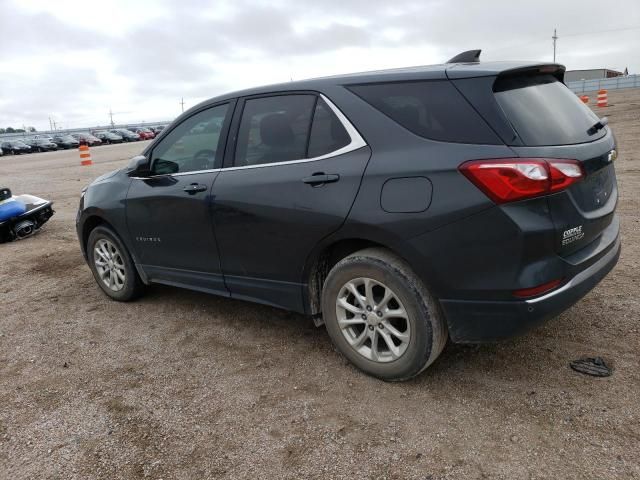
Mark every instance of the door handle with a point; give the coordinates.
(195, 188)
(321, 178)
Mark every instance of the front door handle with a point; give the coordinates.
(321, 178)
(195, 188)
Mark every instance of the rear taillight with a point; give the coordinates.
(511, 179)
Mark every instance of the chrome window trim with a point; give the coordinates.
(182, 174)
(356, 142)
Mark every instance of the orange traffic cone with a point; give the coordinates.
(602, 98)
(585, 98)
(85, 155)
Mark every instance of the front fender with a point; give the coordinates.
(104, 202)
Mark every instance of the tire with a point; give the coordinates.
(422, 333)
(121, 290)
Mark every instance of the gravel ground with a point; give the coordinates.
(188, 386)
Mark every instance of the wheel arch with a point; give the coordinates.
(324, 259)
(91, 223)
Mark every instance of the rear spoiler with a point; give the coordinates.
(554, 69)
(458, 67)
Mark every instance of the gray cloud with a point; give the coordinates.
(198, 48)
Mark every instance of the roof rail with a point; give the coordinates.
(466, 57)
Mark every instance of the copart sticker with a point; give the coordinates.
(572, 235)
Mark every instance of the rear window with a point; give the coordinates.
(544, 111)
(432, 109)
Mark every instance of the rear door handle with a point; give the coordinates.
(195, 188)
(321, 178)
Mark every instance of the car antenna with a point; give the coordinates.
(470, 56)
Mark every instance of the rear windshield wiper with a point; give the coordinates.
(599, 125)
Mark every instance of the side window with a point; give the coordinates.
(432, 109)
(274, 129)
(327, 132)
(192, 145)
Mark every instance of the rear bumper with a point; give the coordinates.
(486, 321)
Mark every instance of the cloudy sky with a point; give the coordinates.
(74, 60)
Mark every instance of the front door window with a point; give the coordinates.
(192, 145)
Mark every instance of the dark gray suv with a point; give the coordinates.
(399, 208)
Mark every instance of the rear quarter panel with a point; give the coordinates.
(398, 153)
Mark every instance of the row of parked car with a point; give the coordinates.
(44, 143)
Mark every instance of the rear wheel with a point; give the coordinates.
(380, 315)
(112, 265)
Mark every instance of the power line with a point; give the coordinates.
(527, 39)
(593, 32)
(624, 29)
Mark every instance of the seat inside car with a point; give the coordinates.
(276, 134)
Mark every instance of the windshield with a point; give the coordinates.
(544, 111)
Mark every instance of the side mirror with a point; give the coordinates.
(139, 166)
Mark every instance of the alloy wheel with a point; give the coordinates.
(373, 320)
(109, 264)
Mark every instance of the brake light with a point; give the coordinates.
(534, 291)
(511, 179)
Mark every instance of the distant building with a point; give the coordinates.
(593, 74)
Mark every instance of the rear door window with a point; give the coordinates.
(433, 109)
(274, 129)
(327, 132)
(543, 111)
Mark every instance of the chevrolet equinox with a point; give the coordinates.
(399, 208)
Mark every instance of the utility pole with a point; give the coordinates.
(111, 117)
(555, 39)
(182, 104)
(50, 124)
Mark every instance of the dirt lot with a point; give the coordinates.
(189, 386)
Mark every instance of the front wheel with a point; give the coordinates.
(112, 266)
(380, 315)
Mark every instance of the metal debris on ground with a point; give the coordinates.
(595, 367)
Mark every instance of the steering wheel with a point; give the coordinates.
(203, 160)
